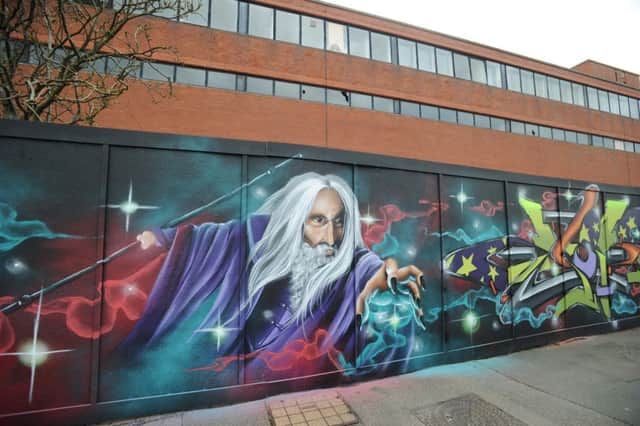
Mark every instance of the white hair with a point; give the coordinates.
(283, 238)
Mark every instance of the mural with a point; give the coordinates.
(207, 271)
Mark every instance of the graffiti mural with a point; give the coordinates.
(133, 273)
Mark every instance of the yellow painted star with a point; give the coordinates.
(491, 250)
(622, 232)
(467, 266)
(448, 261)
(584, 234)
(493, 273)
(596, 227)
(631, 223)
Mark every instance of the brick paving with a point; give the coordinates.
(322, 408)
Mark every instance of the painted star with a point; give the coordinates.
(491, 250)
(129, 207)
(622, 232)
(461, 197)
(631, 223)
(467, 266)
(493, 273)
(368, 219)
(596, 227)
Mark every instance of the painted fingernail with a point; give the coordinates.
(358, 320)
(422, 282)
(394, 284)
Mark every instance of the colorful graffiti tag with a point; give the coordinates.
(212, 271)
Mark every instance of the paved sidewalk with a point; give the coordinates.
(583, 381)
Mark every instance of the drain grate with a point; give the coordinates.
(467, 409)
(316, 409)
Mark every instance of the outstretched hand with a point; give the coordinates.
(388, 278)
(147, 239)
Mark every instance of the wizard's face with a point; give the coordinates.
(324, 225)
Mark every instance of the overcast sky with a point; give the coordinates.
(561, 32)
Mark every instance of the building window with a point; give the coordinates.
(531, 129)
(312, 32)
(198, 16)
(284, 89)
(260, 21)
(570, 136)
(465, 118)
(618, 145)
(614, 103)
(554, 88)
(448, 115)
(338, 97)
(513, 79)
(444, 62)
(578, 94)
(312, 93)
(359, 42)
(287, 27)
(224, 15)
(494, 75)
(478, 72)
(592, 97)
(624, 105)
(498, 124)
(407, 53)
(461, 66)
(557, 134)
(598, 141)
(482, 121)
(426, 57)
(545, 132)
(158, 72)
(382, 104)
(187, 75)
(517, 127)
(411, 109)
(336, 37)
(540, 81)
(429, 112)
(603, 100)
(262, 86)
(583, 139)
(633, 108)
(527, 82)
(608, 143)
(380, 47)
(359, 100)
(221, 80)
(628, 146)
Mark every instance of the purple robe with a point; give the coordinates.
(214, 257)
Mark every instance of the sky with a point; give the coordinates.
(561, 32)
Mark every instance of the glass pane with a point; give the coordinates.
(312, 32)
(557, 134)
(155, 71)
(359, 42)
(444, 61)
(429, 112)
(565, 92)
(570, 136)
(380, 47)
(578, 94)
(461, 66)
(628, 146)
(603, 100)
(448, 115)
(263, 86)
(513, 79)
(465, 118)
(498, 124)
(545, 132)
(624, 105)
(597, 141)
(478, 73)
(527, 82)
(494, 76)
(188, 75)
(583, 139)
(608, 143)
(338, 97)
(592, 97)
(531, 129)
(336, 37)
(221, 80)
(407, 53)
(100, 65)
(409, 108)
(358, 100)
(312, 93)
(198, 16)
(618, 145)
(426, 57)
(382, 104)
(554, 88)
(287, 27)
(287, 90)
(224, 15)
(482, 121)
(633, 108)
(517, 127)
(541, 85)
(614, 103)
(260, 21)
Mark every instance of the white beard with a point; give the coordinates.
(307, 262)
